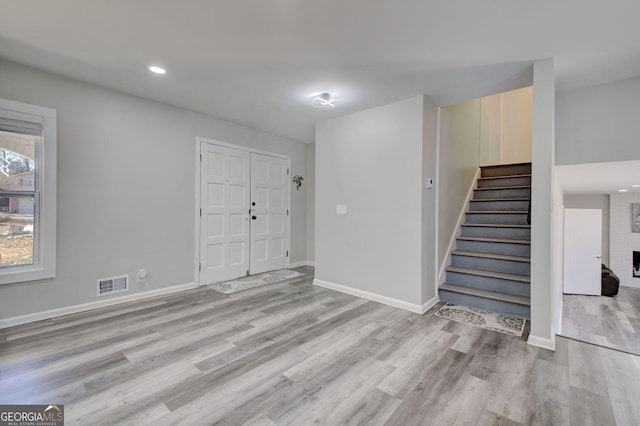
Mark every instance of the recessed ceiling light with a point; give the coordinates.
(635, 186)
(623, 190)
(157, 70)
(322, 100)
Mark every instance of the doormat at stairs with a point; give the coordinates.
(503, 323)
(252, 281)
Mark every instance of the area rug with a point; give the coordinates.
(252, 281)
(508, 324)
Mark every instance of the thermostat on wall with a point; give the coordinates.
(428, 183)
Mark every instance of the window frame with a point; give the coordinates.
(45, 209)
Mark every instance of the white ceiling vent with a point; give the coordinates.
(113, 285)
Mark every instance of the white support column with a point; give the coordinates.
(542, 195)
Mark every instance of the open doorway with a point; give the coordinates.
(609, 317)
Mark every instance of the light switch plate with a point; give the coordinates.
(341, 209)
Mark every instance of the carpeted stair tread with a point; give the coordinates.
(494, 240)
(504, 177)
(494, 166)
(498, 199)
(489, 274)
(520, 300)
(491, 256)
(503, 187)
(496, 212)
(496, 225)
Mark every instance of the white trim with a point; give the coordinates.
(39, 316)
(44, 243)
(430, 304)
(542, 342)
(559, 321)
(196, 274)
(302, 263)
(630, 285)
(436, 221)
(311, 263)
(447, 260)
(411, 307)
(199, 141)
(240, 147)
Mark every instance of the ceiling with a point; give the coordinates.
(257, 62)
(599, 178)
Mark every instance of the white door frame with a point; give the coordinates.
(199, 140)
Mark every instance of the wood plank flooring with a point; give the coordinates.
(613, 322)
(294, 354)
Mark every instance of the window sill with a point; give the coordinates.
(23, 274)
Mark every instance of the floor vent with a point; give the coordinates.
(113, 285)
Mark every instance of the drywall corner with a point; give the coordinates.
(429, 196)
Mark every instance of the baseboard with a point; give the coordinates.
(411, 307)
(39, 316)
(630, 285)
(542, 342)
(302, 263)
(429, 304)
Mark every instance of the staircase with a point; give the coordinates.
(490, 267)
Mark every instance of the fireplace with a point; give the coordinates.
(636, 264)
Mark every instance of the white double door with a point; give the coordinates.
(244, 198)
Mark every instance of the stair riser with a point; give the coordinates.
(495, 248)
(506, 170)
(485, 304)
(503, 233)
(498, 219)
(509, 181)
(501, 193)
(502, 205)
(517, 288)
(494, 265)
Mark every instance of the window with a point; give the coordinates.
(27, 192)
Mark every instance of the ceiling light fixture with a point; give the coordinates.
(157, 70)
(623, 190)
(322, 100)
(635, 186)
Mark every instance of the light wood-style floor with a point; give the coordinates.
(294, 354)
(613, 322)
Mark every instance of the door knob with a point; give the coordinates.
(254, 217)
(253, 204)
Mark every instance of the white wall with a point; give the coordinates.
(557, 254)
(126, 188)
(623, 242)
(506, 127)
(459, 154)
(545, 196)
(430, 228)
(310, 183)
(593, 201)
(599, 123)
(372, 162)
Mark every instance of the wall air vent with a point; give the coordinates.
(113, 285)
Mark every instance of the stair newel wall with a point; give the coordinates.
(452, 241)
